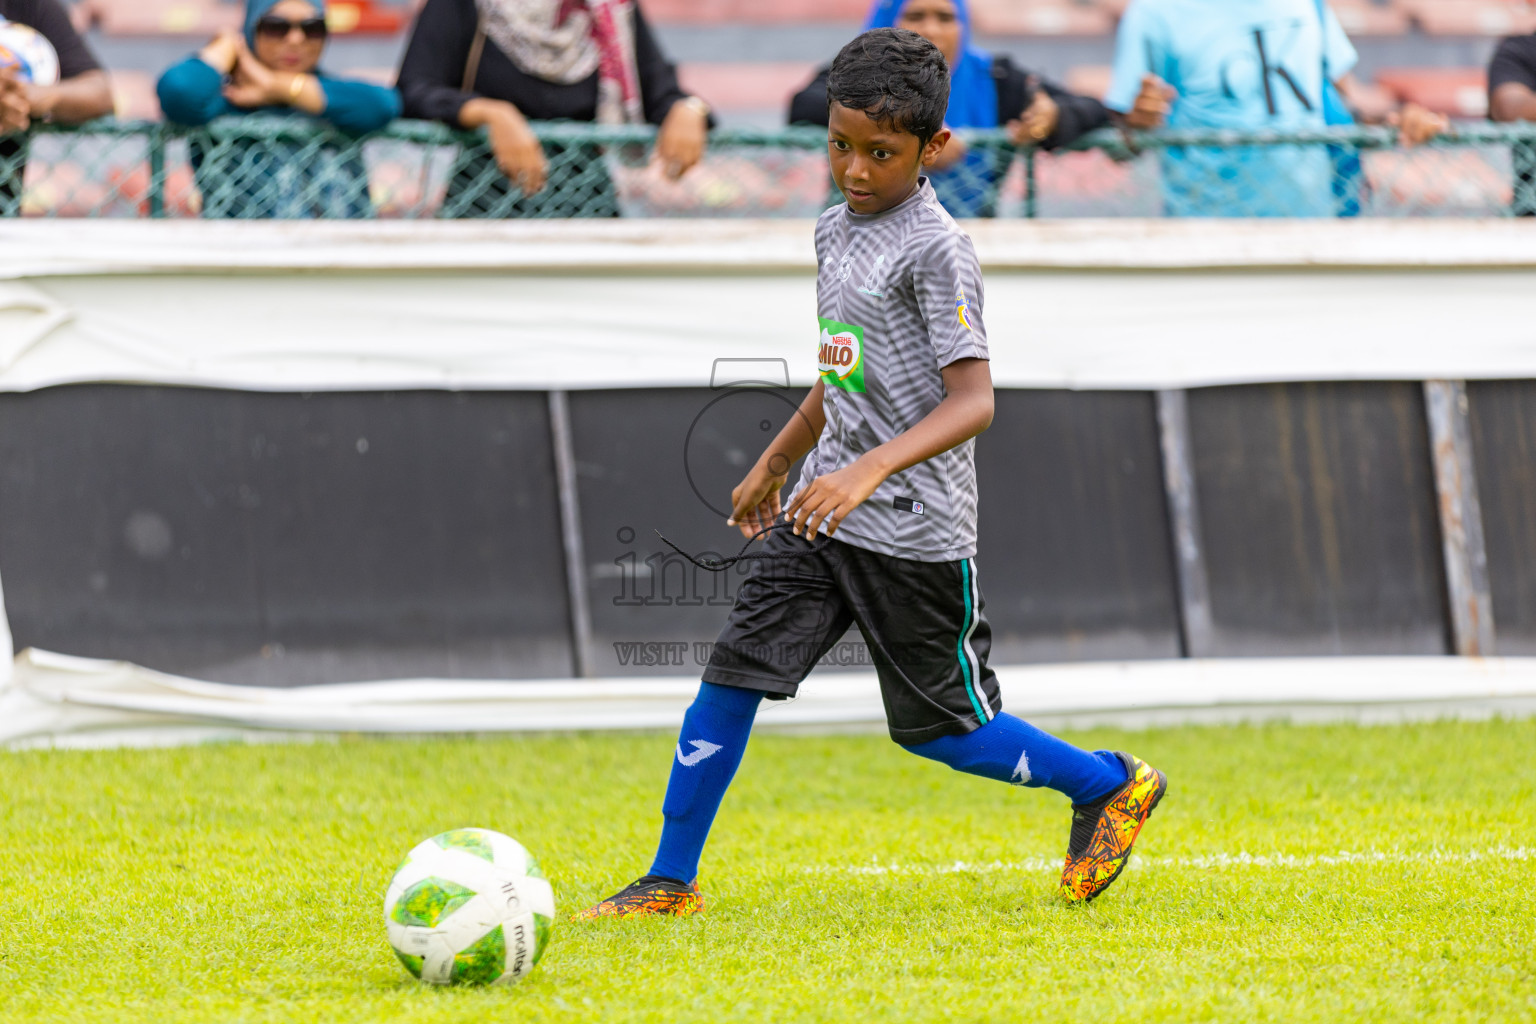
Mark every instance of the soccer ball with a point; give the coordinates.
(469, 907)
(29, 53)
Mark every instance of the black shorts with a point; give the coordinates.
(922, 621)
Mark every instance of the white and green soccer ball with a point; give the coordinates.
(469, 907)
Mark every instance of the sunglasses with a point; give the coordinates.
(273, 27)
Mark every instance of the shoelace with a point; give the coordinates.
(722, 564)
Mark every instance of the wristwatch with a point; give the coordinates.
(697, 105)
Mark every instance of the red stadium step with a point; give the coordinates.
(1455, 92)
(1471, 17)
(365, 17)
(744, 86)
(1012, 18)
(165, 17)
(1363, 18)
(715, 12)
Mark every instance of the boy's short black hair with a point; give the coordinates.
(896, 77)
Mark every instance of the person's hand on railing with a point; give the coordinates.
(1038, 122)
(682, 137)
(1416, 125)
(1371, 104)
(1152, 104)
(517, 151)
(15, 106)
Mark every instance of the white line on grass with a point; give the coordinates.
(1211, 860)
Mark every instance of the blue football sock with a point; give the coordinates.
(709, 749)
(1009, 749)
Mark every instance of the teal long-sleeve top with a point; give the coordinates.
(191, 93)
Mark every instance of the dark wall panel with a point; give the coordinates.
(664, 459)
(1503, 415)
(284, 538)
(1074, 556)
(1074, 559)
(1318, 512)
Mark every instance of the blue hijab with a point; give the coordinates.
(972, 93)
(254, 9)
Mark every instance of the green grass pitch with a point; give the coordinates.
(848, 881)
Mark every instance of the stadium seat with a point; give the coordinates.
(1471, 17)
(1364, 18)
(745, 86)
(1455, 92)
(1012, 18)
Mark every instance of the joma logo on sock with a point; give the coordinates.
(701, 750)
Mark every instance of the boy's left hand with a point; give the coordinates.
(829, 498)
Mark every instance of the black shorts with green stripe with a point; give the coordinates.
(922, 621)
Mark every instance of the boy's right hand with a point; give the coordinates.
(755, 501)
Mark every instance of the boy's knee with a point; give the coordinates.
(731, 700)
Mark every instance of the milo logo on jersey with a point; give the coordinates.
(841, 356)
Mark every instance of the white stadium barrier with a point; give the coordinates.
(573, 305)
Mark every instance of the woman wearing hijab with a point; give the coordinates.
(499, 64)
(274, 69)
(984, 92)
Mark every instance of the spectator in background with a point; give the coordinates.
(82, 92)
(1512, 97)
(499, 64)
(984, 92)
(1246, 66)
(274, 69)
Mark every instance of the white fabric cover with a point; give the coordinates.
(1080, 304)
(57, 700)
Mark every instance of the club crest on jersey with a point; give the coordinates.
(963, 310)
(840, 357)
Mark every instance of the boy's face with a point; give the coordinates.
(874, 165)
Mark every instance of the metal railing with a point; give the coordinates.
(264, 167)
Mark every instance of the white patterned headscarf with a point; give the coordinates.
(564, 41)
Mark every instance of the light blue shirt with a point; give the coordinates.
(1237, 64)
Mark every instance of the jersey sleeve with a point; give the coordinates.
(1338, 51)
(51, 21)
(1514, 61)
(1137, 46)
(947, 284)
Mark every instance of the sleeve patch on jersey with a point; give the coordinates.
(963, 309)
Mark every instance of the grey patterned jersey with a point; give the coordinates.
(899, 297)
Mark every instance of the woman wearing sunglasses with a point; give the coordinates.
(274, 70)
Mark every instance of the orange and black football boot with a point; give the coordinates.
(1104, 831)
(649, 895)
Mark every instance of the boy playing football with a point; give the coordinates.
(891, 483)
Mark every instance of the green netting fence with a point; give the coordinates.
(265, 167)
